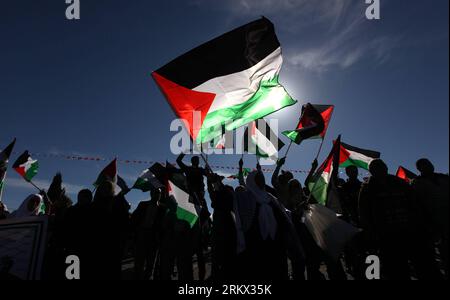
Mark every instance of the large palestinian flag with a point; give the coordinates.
(261, 140)
(230, 80)
(186, 210)
(405, 174)
(4, 159)
(322, 186)
(353, 156)
(108, 173)
(26, 166)
(313, 123)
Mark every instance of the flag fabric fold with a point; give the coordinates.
(147, 181)
(353, 156)
(323, 184)
(313, 123)
(186, 210)
(26, 166)
(229, 81)
(109, 173)
(261, 140)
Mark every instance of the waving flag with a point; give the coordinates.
(260, 139)
(405, 174)
(147, 181)
(353, 156)
(4, 159)
(313, 123)
(322, 186)
(108, 173)
(26, 166)
(186, 210)
(230, 80)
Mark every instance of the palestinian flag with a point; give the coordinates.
(313, 123)
(260, 139)
(322, 186)
(353, 156)
(245, 172)
(186, 210)
(147, 181)
(405, 174)
(26, 166)
(108, 173)
(230, 80)
(4, 159)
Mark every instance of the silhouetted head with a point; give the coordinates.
(195, 161)
(295, 187)
(260, 180)
(105, 190)
(285, 177)
(378, 168)
(425, 167)
(352, 172)
(84, 197)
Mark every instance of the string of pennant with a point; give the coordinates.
(139, 161)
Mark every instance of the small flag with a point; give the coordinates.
(186, 210)
(405, 174)
(147, 181)
(323, 185)
(353, 156)
(245, 172)
(313, 123)
(109, 173)
(230, 80)
(4, 159)
(26, 166)
(260, 139)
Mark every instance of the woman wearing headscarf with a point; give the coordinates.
(33, 205)
(266, 236)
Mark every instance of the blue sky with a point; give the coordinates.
(84, 87)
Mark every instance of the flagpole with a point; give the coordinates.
(39, 189)
(320, 148)
(287, 150)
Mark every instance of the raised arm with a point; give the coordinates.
(241, 173)
(275, 174)
(180, 162)
(311, 172)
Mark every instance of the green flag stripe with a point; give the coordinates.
(269, 98)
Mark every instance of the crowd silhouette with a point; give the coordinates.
(255, 231)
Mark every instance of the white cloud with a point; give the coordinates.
(323, 35)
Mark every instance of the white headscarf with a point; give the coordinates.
(266, 217)
(23, 211)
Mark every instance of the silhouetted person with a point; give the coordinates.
(349, 195)
(195, 180)
(146, 223)
(280, 183)
(77, 227)
(432, 192)
(105, 237)
(223, 236)
(391, 218)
